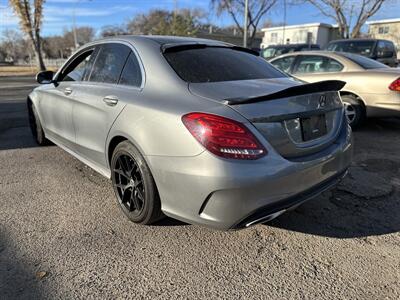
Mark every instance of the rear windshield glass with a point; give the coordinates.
(214, 64)
(364, 62)
(359, 47)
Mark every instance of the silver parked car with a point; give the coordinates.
(198, 130)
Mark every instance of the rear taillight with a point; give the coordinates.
(223, 137)
(395, 85)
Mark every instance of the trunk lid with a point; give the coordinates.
(297, 119)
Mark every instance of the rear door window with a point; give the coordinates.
(309, 64)
(389, 46)
(109, 63)
(333, 66)
(214, 64)
(317, 64)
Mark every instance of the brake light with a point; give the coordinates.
(395, 85)
(223, 137)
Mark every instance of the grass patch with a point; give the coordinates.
(21, 70)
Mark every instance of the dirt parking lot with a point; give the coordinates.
(63, 236)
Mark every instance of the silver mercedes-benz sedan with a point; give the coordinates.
(198, 130)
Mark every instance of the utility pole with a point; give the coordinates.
(284, 22)
(175, 13)
(246, 13)
(74, 24)
(76, 45)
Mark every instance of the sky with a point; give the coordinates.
(58, 14)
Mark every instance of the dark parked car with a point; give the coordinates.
(276, 50)
(383, 51)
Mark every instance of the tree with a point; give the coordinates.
(31, 24)
(257, 9)
(113, 30)
(184, 22)
(343, 11)
(61, 46)
(84, 34)
(13, 45)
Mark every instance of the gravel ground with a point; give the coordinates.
(63, 236)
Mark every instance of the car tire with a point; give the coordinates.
(36, 126)
(134, 186)
(354, 110)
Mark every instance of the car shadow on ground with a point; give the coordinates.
(14, 126)
(18, 277)
(343, 216)
(169, 222)
(378, 124)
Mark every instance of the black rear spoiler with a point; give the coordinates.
(309, 88)
(176, 47)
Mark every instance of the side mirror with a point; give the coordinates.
(45, 77)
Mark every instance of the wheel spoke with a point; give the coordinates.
(135, 200)
(124, 166)
(137, 182)
(120, 172)
(140, 194)
(129, 166)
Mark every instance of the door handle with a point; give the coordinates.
(67, 91)
(111, 100)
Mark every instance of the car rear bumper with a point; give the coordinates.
(273, 210)
(229, 194)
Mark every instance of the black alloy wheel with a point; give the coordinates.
(134, 186)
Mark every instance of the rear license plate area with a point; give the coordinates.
(313, 127)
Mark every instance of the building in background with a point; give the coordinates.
(315, 33)
(387, 30)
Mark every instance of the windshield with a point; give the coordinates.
(364, 48)
(213, 64)
(364, 62)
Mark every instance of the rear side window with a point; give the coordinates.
(109, 63)
(214, 64)
(131, 74)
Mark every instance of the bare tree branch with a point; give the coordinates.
(235, 8)
(341, 11)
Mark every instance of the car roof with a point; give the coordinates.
(312, 52)
(359, 40)
(160, 40)
(291, 45)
